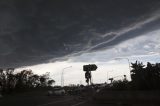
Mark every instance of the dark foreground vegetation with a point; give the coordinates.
(142, 90)
(145, 77)
(11, 81)
(142, 78)
(144, 87)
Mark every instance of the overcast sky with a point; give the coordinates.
(49, 35)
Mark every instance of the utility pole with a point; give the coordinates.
(108, 75)
(62, 75)
(120, 58)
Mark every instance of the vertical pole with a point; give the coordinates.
(90, 78)
(129, 67)
(62, 80)
(107, 77)
(62, 76)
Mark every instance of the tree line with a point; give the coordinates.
(19, 81)
(143, 77)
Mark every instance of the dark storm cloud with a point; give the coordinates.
(35, 31)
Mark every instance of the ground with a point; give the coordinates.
(39, 98)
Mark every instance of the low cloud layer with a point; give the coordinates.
(144, 48)
(40, 31)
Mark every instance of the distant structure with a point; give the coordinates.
(111, 79)
(88, 69)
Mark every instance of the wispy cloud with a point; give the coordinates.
(144, 45)
(152, 17)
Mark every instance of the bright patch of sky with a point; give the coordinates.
(145, 48)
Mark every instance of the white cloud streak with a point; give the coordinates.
(152, 17)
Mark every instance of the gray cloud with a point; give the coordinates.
(145, 46)
(36, 31)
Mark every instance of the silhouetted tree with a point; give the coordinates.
(10, 79)
(2, 80)
(137, 75)
(50, 82)
(34, 81)
(44, 78)
(22, 80)
(145, 77)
